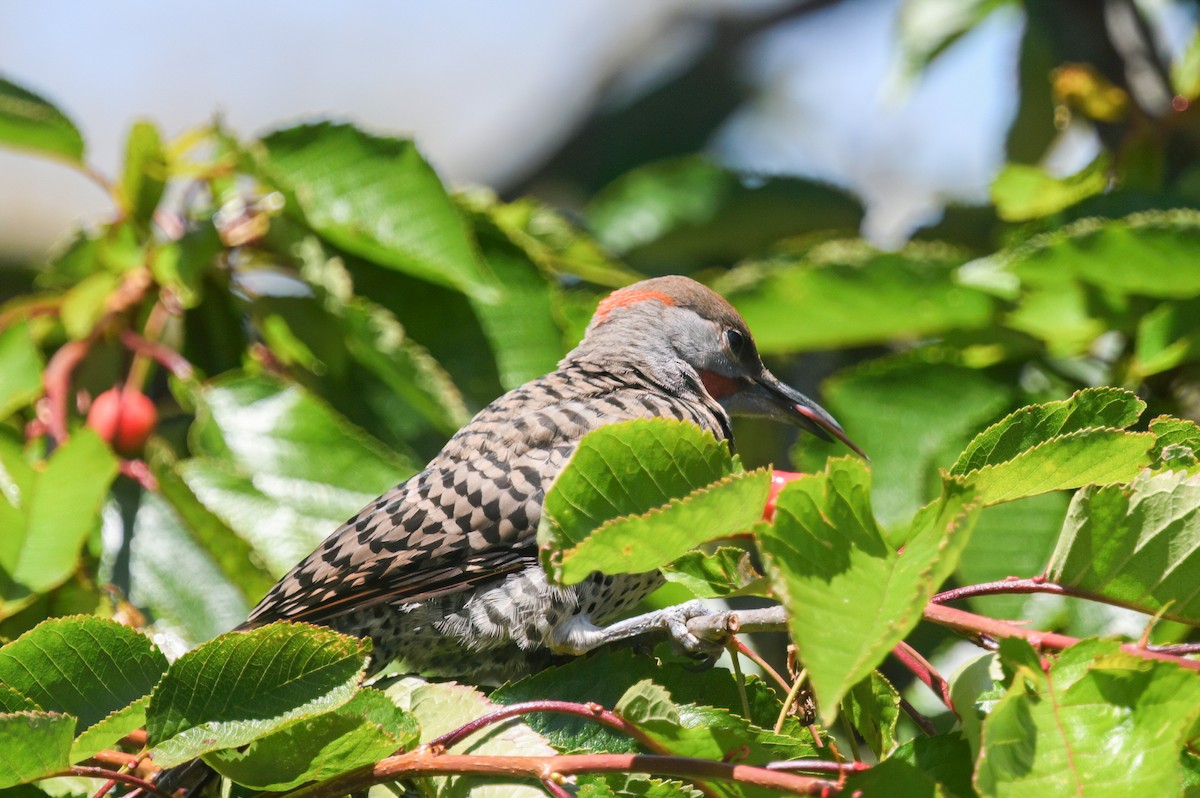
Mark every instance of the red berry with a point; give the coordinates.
(124, 418)
(778, 480)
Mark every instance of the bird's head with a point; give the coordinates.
(669, 323)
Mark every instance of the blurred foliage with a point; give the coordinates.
(314, 312)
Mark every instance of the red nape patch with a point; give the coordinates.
(718, 385)
(627, 296)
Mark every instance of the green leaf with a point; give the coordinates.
(246, 685)
(894, 778)
(29, 122)
(946, 758)
(232, 556)
(1150, 254)
(627, 479)
(440, 708)
(852, 294)
(86, 302)
(885, 405)
(605, 675)
(360, 732)
(1057, 445)
(1022, 192)
(686, 213)
(377, 340)
(35, 745)
(13, 701)
(1177, 444)
(1138, 545)
(87, 667)
(280, 467)
(1168, 336)
(701, 732)
(519, 323)
(216, 590)
(825, 546)
(44, 534)
(182, 265)
(550, 240)
(1018, 432)
(145, 174)
(20, 370)
(1099, 723)
(726, 571)
(375, 197)
(873, 708)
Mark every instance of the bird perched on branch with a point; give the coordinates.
(442, 570)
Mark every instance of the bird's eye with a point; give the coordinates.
(736, 341)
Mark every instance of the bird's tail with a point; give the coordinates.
(187, 779)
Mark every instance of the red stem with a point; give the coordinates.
(911, 658)
(57, 381)
(973, 625)
(112, 775)
(160, 353)
(425, 762)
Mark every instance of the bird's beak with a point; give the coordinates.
(765, 396)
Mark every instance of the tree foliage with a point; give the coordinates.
(320, 311)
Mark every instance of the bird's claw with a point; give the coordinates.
(676, 618)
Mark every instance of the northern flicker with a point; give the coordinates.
(442, 571)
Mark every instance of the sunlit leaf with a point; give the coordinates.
(43, 534)
(29, 122)
(86, 667)
(655, 477)
(845, 293)
(35, 745)
(20, 369)
(1136, 544)
(376, 197)
(362, 731)
(825, 545)
(1047, 735)
(247, 685)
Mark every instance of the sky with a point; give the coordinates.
(488, 89)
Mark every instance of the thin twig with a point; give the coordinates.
(103, 773)
(791, 699)
(762, 663)
(923, 723)
(160, 353)
(739, 677)
(553, 787)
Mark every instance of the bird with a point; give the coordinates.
(441, 572)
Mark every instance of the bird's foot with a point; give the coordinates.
(676, 618)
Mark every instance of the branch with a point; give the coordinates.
(160, 353)
(112, 775)
(973, 625)
(921, 668)
(425, 762)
